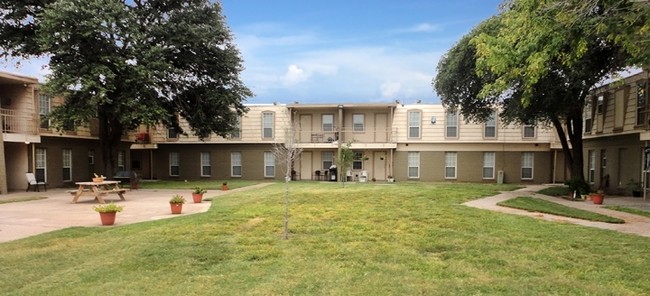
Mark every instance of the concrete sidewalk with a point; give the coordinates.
(634, 224)
(23, 219)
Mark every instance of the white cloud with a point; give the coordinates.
(295, 75)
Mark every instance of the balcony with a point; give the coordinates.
(384, 138)
(18, 127)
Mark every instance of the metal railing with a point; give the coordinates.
(365, 136)
(18, 123)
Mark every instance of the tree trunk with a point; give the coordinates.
(110, 136)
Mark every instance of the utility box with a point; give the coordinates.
(500, 176)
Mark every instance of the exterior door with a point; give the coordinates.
(381, 127)
(305, 128)
(306, 168)
(379, 165)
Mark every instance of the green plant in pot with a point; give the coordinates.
(197, 194)
(577, 187)
(634, 187)
(224, 186)
(176, 203)
(107, 212)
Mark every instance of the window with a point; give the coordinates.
(41, 164)
(640, 104)
(592, 166)
(587, 115)
(413, 165)
(174, 164)
(414, 124)
(358, 121)
(205, 164)
(269, 165)
(172, 133)
(488, 165)
(121, 161)
(267, 125)
(451, 123)
(235, 164)
(529, 131)
(450, 165)
(491, 126)
(357, 162)
(527, 163)
(328, 122)
(91, 157)
(599, 104)
(67, 164)
(236, 132)
(44, 109)
(328, 159)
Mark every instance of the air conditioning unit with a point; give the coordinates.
(500, 177)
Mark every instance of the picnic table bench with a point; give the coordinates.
(98, 190)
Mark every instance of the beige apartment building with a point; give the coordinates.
(616, 135)
(419, 142)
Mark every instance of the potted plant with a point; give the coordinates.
(597, 197)
(635, 187)
(224, 186)
(197, 194)
(390, 179)
(176, 203)
(577, 188)
(107, 212)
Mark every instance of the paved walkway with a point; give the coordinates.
(634, 224)
(23, 219)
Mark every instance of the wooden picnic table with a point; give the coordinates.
(98, 190)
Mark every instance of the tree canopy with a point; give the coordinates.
(131, 63)
(532, 65)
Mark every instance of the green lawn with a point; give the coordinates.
(209, 185)
(365, 239)
(629, 210)
(542, 206)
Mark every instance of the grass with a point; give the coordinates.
(20, 199)
(556, 191)
(209, 185)
(365, 239)
(543, 206)
(629, 210)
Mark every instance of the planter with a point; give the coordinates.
(108, 218)
(98, 180)
(597, 198)
(391, 180)
(224, 187)
(177, 208)
(197, 197)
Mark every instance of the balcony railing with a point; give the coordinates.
(17, 123)
(365, 136)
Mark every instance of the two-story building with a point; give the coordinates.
(389, 140)
(617, 134)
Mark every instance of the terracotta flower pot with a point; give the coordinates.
(597, 198)
(197, 197)
(108, 218)
(176, 208)
(224, 187)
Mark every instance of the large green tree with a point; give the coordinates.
(128, 63)
(531, 67)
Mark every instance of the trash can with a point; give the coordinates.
(333, 173)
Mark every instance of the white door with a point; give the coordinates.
(381, 127)
(379, 165)
(305, 165)
(305, 128)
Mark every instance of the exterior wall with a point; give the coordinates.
(252, 157)
(469, 166)
(81, 169)
(623, 161)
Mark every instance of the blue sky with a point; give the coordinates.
(340, 51)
